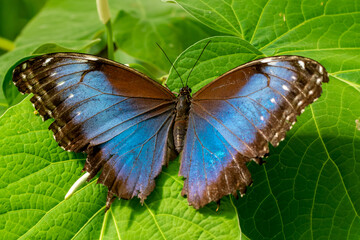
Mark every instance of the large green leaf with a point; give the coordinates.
(36, 175)
(72, 25)
(143, 23)
(309, 188)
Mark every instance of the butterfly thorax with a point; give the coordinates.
(182, 118)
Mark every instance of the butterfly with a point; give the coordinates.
(130, 126)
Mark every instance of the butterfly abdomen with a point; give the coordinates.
(181, 119)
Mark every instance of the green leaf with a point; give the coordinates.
(310, 186)
(76, 24)
(144, 23)
(36, 175)
(237, 17)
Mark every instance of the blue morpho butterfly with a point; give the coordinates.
(130, 126)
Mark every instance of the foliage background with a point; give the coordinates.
(309, 188)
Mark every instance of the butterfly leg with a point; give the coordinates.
(218, 205)
(259, 161)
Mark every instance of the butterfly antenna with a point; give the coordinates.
(182, 82)
(197, 62)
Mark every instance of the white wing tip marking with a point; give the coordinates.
(24, 66)
(302, 64)
(23, 76)
(92, 58)
(318, 81)
(321, 69)
(266, 60)
(285, 87)
(46, 62)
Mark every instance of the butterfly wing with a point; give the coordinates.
(233, 119)
(118, 116)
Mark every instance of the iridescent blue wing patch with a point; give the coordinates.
(233, 119)
(120, 117)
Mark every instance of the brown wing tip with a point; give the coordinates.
(234, 177)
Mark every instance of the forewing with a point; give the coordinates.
(233, 119)
(118, 116)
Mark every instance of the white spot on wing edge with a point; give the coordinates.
(262, 118)
(321, 69)
(46, 62)
(285, 87)
(318, 81)
(48, 112)
(273, 100)
(92, 58)
(24, 66)
(23, 76)
(266, 60)
(302, 64)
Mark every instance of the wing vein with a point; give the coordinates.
(142, 146)
(245, 144)
(127, 120)
(261, 132)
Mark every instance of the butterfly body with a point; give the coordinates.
(182, 117)
(130, 126)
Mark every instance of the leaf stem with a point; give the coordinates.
(105, 18)
(110, 43)
(6, 44)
